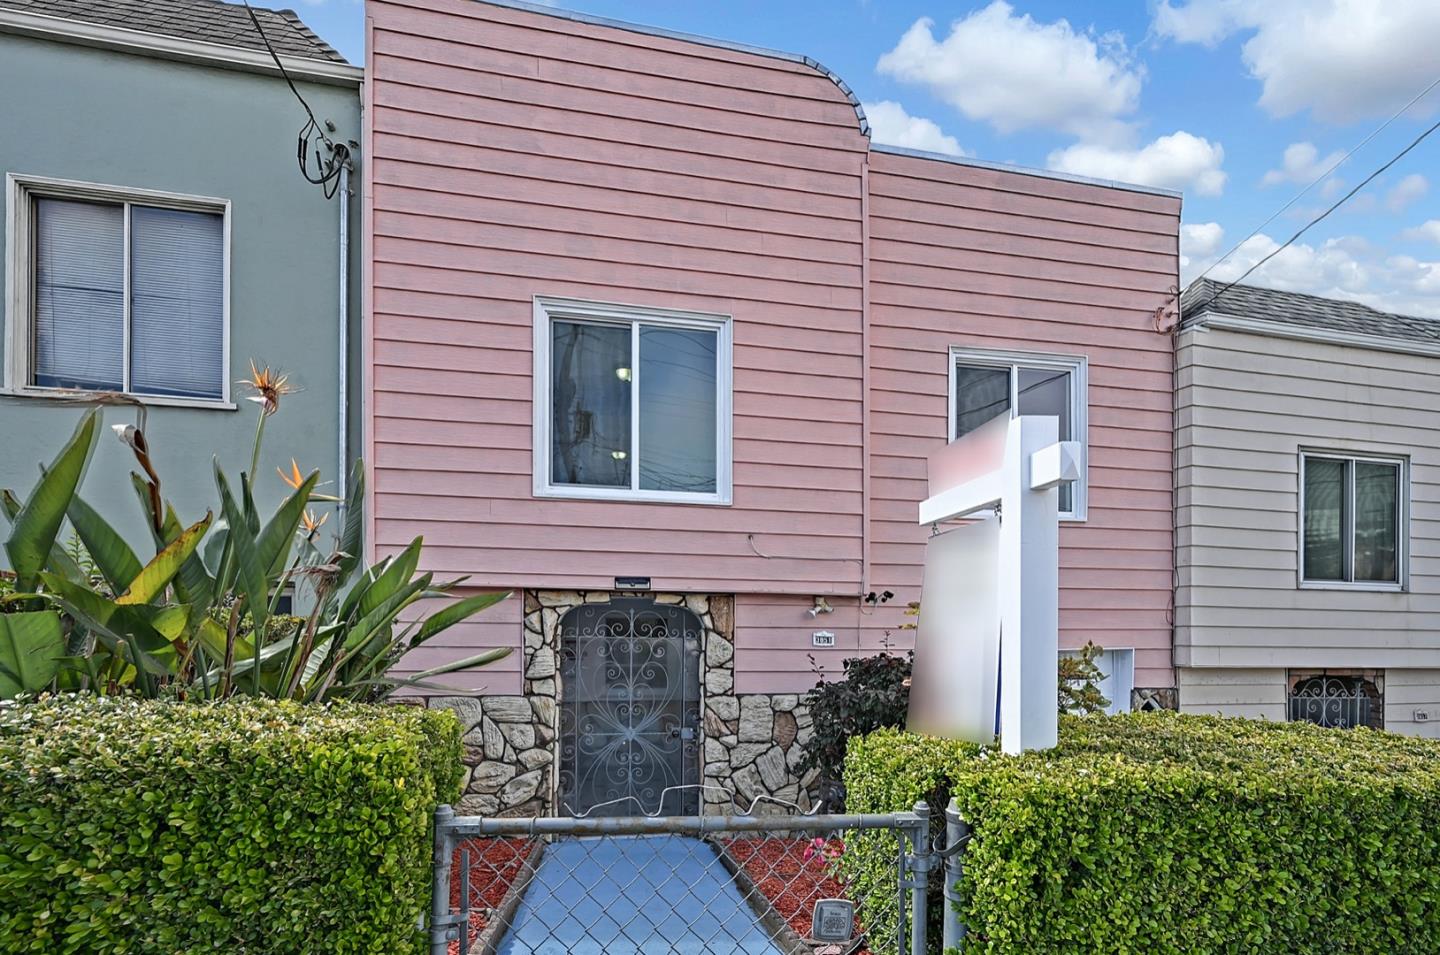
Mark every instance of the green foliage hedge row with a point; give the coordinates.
(246, 826)
(1160, 833)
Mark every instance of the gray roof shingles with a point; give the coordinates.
(1307, 311)
(207, 20)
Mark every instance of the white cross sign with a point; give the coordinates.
(987, 645)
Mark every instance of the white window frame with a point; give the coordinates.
(1402, 518)
(1078, 368)
(21, 191)
(548, 310)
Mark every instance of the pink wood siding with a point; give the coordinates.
(966, 256)
(515, 154)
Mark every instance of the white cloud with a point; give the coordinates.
(1346, 267)
(1342, 59)
(1015, 73)
(1428, 231)
(1178, 161)
(1406, 192)
(890, 123)
(1302, 164)
(1200, 241)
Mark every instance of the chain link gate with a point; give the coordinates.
(687, 885)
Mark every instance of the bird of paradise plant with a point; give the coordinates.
(199, 618)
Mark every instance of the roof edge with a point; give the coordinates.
(1328, 336)
(164, 46)
(577, 17)
(1026, 170)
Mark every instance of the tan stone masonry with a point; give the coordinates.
(750, 745)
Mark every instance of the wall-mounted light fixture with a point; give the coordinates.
(821, 606)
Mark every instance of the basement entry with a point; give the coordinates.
(630, 709)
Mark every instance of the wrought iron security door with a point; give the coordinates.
(630, 709)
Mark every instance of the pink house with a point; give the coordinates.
(659, 340)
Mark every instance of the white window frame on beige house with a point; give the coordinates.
(1402, 521)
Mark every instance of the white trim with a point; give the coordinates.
(1078, 367)
(161, 401)
(185, 50)
(546, 310)
(20, 191)
(1402, 524)
(1327, 336)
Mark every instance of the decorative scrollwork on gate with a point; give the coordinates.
(630, 708)
(1338, 702)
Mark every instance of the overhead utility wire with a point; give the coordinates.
(1323, 176)
(1338, 203)
(328, 176)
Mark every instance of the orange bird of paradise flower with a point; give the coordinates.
(294, 478)
(269, 387)
(311, 525)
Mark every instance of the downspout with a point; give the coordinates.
(864, 391)
(342, 442)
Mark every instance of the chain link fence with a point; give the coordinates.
(718, 885)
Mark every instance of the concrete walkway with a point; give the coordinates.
(634, 895)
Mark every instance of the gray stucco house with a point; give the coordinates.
(1308, 510)
(159, 236)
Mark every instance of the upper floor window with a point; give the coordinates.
(1353, 524)
(985, 384)
(631, 403)
(118, 291)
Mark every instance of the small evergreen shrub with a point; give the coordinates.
(246, 826)
(1161, 833)
(873, 693)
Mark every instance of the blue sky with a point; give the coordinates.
(1239, 103)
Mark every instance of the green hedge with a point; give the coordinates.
(245, 826)
(1160, 833)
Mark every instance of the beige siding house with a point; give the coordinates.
(1308, 510)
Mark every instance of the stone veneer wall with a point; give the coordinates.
(750, 744)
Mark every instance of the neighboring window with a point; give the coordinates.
(632, 403)
(1352, 529)
(1338, 702)
(987, 384)
(1117, 668)
(119, 293)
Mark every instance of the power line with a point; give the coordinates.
(1338, 203)
(1323, 176)
(328, 176)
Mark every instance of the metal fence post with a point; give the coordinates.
(919, 877)
(957, 832)
(440, 888)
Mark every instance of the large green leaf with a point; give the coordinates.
(460, 610)
(117, 562)
(150, 582)
(278, 535)
(32, 534)
(250, 570)
(32, 646)
(352, 534)
(397, 574)
(478, 660)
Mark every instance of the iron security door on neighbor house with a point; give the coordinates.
(630, 709)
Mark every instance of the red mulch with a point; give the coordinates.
(791, 882)
(495, 864)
